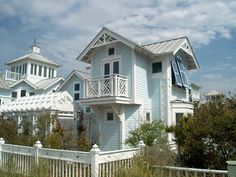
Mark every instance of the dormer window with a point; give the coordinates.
(111, 51)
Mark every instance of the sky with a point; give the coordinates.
(63, 28)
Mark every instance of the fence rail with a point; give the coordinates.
(65, 163)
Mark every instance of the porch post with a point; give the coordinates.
(94, 153)
(37, 146)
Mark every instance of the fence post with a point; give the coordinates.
(231, 167)
(2, 141)
(37, 146)
(94, 153)
(141, 146)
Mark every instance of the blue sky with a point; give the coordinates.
(63, 28)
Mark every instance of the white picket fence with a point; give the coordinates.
(65, 163)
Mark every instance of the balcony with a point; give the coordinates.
(13, 76)
(106, 89)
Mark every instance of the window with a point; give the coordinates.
(13, 69)
(148, 116)
(23, 93)
(31, 93)
(116, 67)
(88, 110)
(17, 69)
(40, 70)
(77, 87)
(106, 68)
(14, 94)
(110, 116)
(35, 69)
(178, 116)
(49, 72)
(24, 68)
(111, 51)
(0, 102)
(20, 67)
(76, 96)
(52, 72)
(45, 71)
(76, 91)
(157, 67)
(32, 68)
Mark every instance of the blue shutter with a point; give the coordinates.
(183, 72)
(178, 80)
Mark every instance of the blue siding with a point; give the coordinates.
(156, 100)
(143, 87)
(69, 86)
(110, 134)
(132, 120)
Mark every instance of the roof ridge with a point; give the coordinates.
(165, 41)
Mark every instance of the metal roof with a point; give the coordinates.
(60, 101)
(34, 56)
(45, 83)
(83, 74)
(3, 83)
(168, 46)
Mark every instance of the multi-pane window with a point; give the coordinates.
(24, 68)
(111, 51)
(110, 116)
(116, 67)
(157, 67)
(76, 91)
(40, 70)
(13, 69)
(32, 93)
(23, 93)
(148, 116)
(20, 67)
(111, 67)
(14, 94)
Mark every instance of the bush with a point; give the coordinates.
(148, 132)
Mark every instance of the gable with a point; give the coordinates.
(22, 83)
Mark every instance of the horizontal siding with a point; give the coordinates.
(155, 95)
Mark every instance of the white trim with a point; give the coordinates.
(106, 112)
(111, 59)
(105, 100)
(133, 75)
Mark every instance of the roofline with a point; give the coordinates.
(69, 77)
(128, 42)
(59, 78)
(22, 59)
(165, 41)
(29, 83)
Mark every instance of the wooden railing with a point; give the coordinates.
(108, 85)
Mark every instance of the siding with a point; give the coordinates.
(156, 100)
(143, 87)
(110, 134)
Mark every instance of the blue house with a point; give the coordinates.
(132, 83)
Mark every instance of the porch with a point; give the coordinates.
(106, 89)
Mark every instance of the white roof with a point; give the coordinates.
(46, 83)
(60, 101)
(36, 57)
(213, 93)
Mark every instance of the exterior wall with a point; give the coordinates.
(123, 53)
(5, 96)
(22, 86)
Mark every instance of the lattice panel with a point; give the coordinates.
(92, 88)
(122, 87)
(104, 38)
(105, 87)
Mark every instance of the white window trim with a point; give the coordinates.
(111, 60)
(105, 116)
(145, 114)
(76, 91)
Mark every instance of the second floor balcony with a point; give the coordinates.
(109, 87)
(9, 75)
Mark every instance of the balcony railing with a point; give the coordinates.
(13, 75)
(108, 85)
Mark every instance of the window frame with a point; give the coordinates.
(150, 114)
(22, 92)
(15, 93)
(106, 117)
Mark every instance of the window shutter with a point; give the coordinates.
(183, 72)
(178, 80)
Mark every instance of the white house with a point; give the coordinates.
(130, 83)
(32, 74)
(5, 92)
